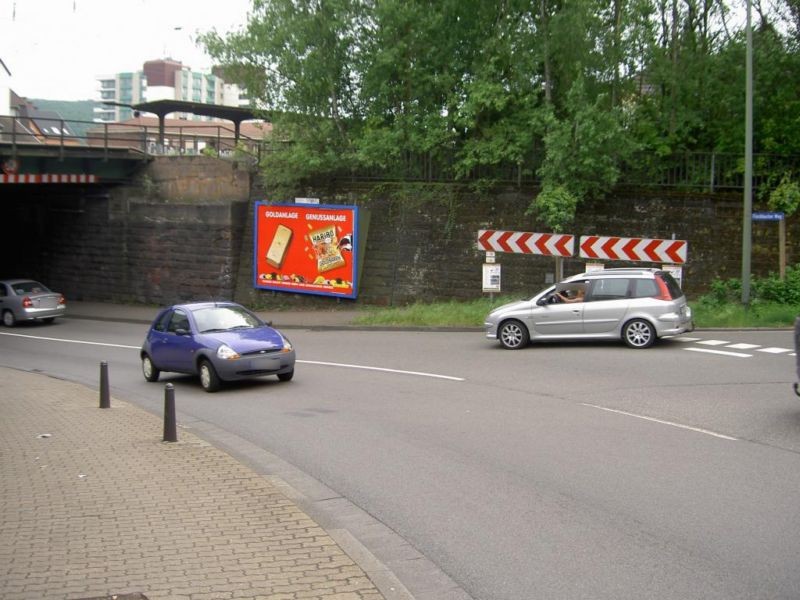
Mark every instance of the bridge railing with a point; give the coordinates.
(193, 138)
(691, 170)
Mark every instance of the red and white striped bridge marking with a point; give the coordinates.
(634, 249)
(524, 242)
(47, 178)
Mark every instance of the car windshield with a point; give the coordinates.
(29, 287)
(224, 318)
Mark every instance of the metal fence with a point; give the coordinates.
(28, 134)
(706, 171)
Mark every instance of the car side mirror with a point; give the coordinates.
(543, 301)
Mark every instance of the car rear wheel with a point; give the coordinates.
(48, 320)
(513, 335)
(638, 333)
(9, 320)
(286, 376)
(149, 369)
(208, 377)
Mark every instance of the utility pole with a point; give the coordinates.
(747, 219)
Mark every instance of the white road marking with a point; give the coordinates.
(713, 342)
(367, 368)
(743, 346)
(309, 362)
(49, 339)
(682, 338)
(663, 422)
(774, 350)
(722, 352)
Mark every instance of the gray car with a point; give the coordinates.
(29, 300)
(637, 306)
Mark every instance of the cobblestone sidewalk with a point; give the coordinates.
(93, 503)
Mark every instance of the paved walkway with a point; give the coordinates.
(93, 504)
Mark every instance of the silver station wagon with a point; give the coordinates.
(637, 306)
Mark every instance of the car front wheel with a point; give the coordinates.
(638, 333)
(149, 369)
(513, 335)
(208, 377)
(286, 376)
(9, 320)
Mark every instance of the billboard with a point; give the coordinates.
(306, 249)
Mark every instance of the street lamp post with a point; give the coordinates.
(747, 222)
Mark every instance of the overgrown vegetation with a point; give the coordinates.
(577, 93)
(773, 302)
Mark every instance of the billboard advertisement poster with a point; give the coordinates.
(306, 249)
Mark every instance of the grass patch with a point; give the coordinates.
(729, 315)
(472, 313)
(440, 314)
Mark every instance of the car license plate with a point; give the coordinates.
(265, 363)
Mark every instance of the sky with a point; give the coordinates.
(55, 49)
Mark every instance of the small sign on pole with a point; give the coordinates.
(594, 266)
(491, 277)
(767, 216)
(490, 257)
(676, 271)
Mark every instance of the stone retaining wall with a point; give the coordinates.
(184, 230)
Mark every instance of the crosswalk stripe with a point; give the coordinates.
(743, 346)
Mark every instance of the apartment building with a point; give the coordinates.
(163, 79)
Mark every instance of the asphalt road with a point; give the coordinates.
(564, 471)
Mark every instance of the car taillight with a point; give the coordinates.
(61, 299)
(663, 290)
(27, 302)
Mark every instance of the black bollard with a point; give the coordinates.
(105, 399)
(170, 425)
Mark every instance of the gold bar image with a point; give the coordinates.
(277, 248)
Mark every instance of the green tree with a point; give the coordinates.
(565, 88)
(299, 60)
(583, 154)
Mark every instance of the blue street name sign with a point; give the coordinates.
(767, 216)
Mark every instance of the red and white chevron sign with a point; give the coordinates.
(635, 249)
(48, 178)
(523, 242)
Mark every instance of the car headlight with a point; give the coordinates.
(225, 352)
(287, 345)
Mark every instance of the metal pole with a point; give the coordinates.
(559, 274)
(747, 218)
(782, 246)
(105, 398)
(170, 424)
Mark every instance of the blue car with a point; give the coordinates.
(219, 341)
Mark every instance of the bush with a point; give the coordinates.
(769, 290)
